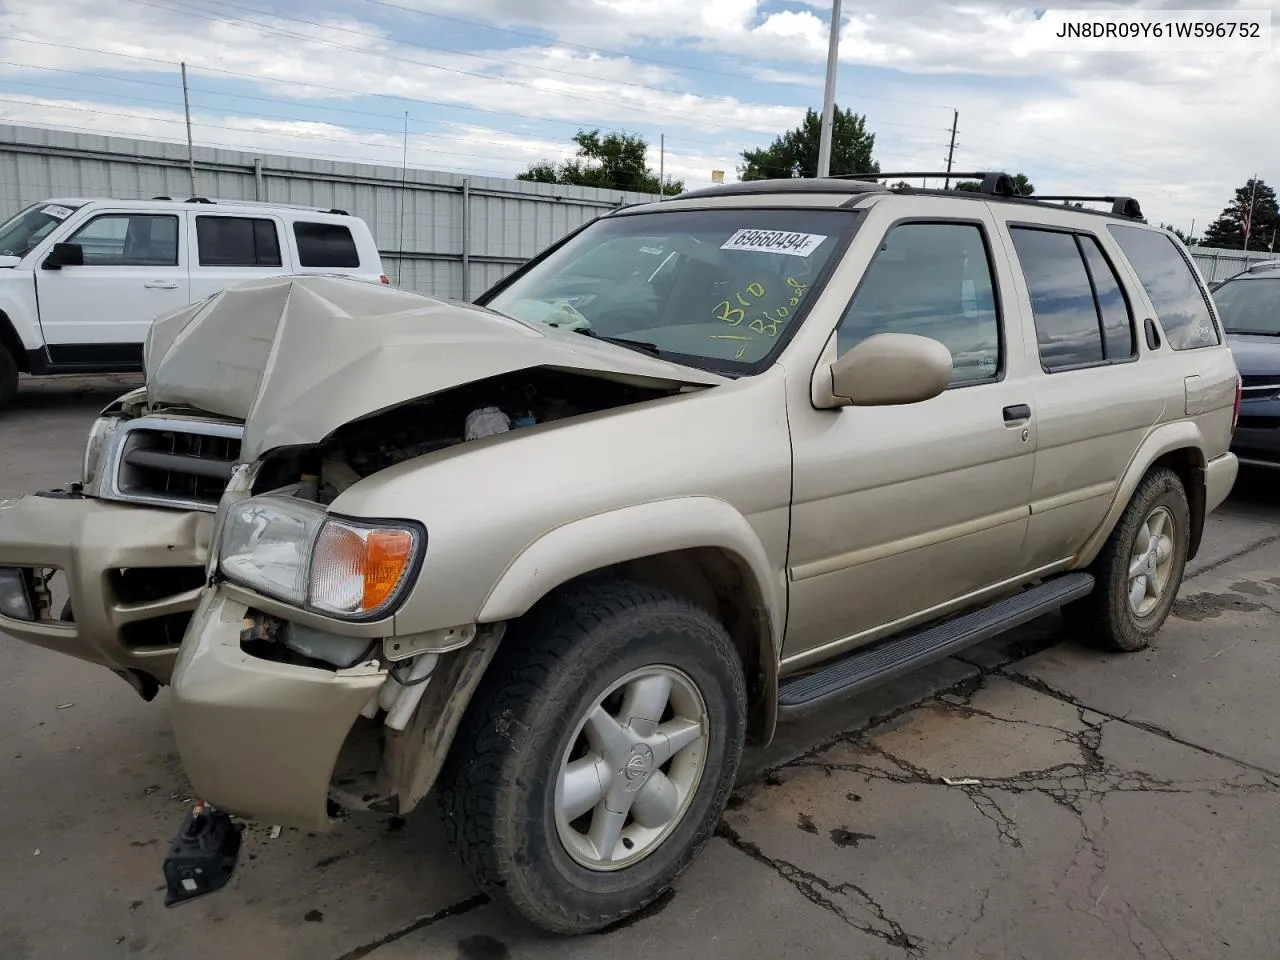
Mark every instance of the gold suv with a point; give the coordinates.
(558, 556)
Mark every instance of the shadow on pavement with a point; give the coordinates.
(71, 391)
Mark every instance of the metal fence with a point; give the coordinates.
(1218, 263)
(442, 234)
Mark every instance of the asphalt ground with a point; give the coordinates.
(1118, 806)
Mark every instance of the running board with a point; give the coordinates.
(901, 654)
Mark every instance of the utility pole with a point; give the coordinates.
(1248, 217)
(186, 106)
(662, 166)
(951, 151)
(829, 97)
(404, 177)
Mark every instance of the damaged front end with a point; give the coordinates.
(300, 691)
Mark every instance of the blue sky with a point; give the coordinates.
(493, 85)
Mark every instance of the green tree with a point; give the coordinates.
(1186, 238)
(1025, 186)
(615, 161)
(1228, 229)
(795, 153)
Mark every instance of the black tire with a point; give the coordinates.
(8, 378)
(497, 790)
(1105, 618)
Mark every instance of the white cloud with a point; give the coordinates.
(1178, 130)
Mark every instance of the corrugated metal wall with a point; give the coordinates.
(509, 221)
(1218, 263)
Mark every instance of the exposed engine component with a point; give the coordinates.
(469, 412)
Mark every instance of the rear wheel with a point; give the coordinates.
(8, 378)
(1139, 570)
(597, 755)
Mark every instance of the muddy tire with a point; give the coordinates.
(609, 696)
(1139, 570)
(8, 378)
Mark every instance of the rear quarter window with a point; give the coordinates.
(325, 245)
(1181, 305)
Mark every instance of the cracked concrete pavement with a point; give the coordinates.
(1099, 805)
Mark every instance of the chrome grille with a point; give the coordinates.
(172, 462)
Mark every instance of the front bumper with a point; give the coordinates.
(257, 738)
(132, 574)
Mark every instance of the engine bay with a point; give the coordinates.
(476, 410)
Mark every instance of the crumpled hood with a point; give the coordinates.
(297, 357)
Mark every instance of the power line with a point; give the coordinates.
(244, 23)
(262, 78)
(638, 57)
(721, 147)
(574, 75)
(259, 78)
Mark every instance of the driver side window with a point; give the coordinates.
(933, 280)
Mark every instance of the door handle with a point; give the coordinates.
(161, 285)
(1017, 413)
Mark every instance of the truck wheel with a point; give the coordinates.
(1139, 570)
(597, 755)
(8, 378)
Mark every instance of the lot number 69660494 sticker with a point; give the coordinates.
(775, 241)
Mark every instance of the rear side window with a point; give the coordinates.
(1113, 305)
(237, 242)
(325, 245)
(934, 280)
(1179, 301)
(1080, 312)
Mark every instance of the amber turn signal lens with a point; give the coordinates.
(388, 554)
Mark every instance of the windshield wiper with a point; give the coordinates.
(638, 345)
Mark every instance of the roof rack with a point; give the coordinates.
(995, 183)
(788, 184)
(999, 184)
(335, 211)
(1120, 206)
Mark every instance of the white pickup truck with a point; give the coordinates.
(82, 279)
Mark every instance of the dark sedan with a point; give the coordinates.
(1249, 304)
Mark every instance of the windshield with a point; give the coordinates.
(1250, 306)
(20, 235)
(710, 288)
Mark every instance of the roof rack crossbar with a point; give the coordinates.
(1120, 206)
(942, 175)
(991, 182)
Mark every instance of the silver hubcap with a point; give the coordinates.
(1151, 562)
(631, 768)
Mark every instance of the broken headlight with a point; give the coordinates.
(294, 551)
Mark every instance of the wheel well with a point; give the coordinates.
(1188, 463)
(9, 340)
(720, 583)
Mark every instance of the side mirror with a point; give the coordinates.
(886, 370)
(64, 255)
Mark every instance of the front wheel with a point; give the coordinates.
(597, 756)
(1139, 570)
